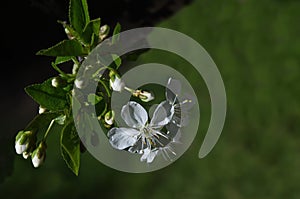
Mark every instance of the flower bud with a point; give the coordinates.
(25, 155)
(79, 83)
(116, 82)
(68, 33)
(146, 96)
(104, 30)
(23, 141)
(55, 82)
(39, 154)
(42, 110)
(20, 148)
(109, 117)
(58, 82)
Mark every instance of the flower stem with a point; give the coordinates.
(58, 70)
(129, 89)
(49, 128)
(105, 87)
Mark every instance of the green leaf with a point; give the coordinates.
(70, 147)
(117, 60)
(47, 96)
(94, 99)
(116, 34)
(42, 121)
(60, 60)
(78, 14)
(92, 28)
(60, 119)
(64, 48)
(75, 106)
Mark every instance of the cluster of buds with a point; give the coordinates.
(25, 144)
(103, 33)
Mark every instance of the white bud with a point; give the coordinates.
(25, 155)
(69, 34)
(22, 142)
(42, 110)
(55, 82)
(38, 155)
(104, 30)
(36, 161)
(146, 96)
(109, 117)
(79, 83)
(20, 148)
(117, 84)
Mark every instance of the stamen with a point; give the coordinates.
(161, 134)
(171, 150)
(157, 140)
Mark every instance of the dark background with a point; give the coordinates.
(255, 44)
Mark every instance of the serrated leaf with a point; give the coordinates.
(93, 27)
(116, 35)
(70, 147)
(49, 97)
(60, 60)
(63, 49)
(78, 14)
(42, 121)
(94, 99)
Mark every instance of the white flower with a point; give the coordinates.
(142, 135)
(148, 139)
(146, 96)
(116, 83)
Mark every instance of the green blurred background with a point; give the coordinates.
(256, 46)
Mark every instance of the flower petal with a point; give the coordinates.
(173, 89)
(20, 148)
(162, 115)
(121, 138)
(117, 84)
(134, 115)
(148, 155)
